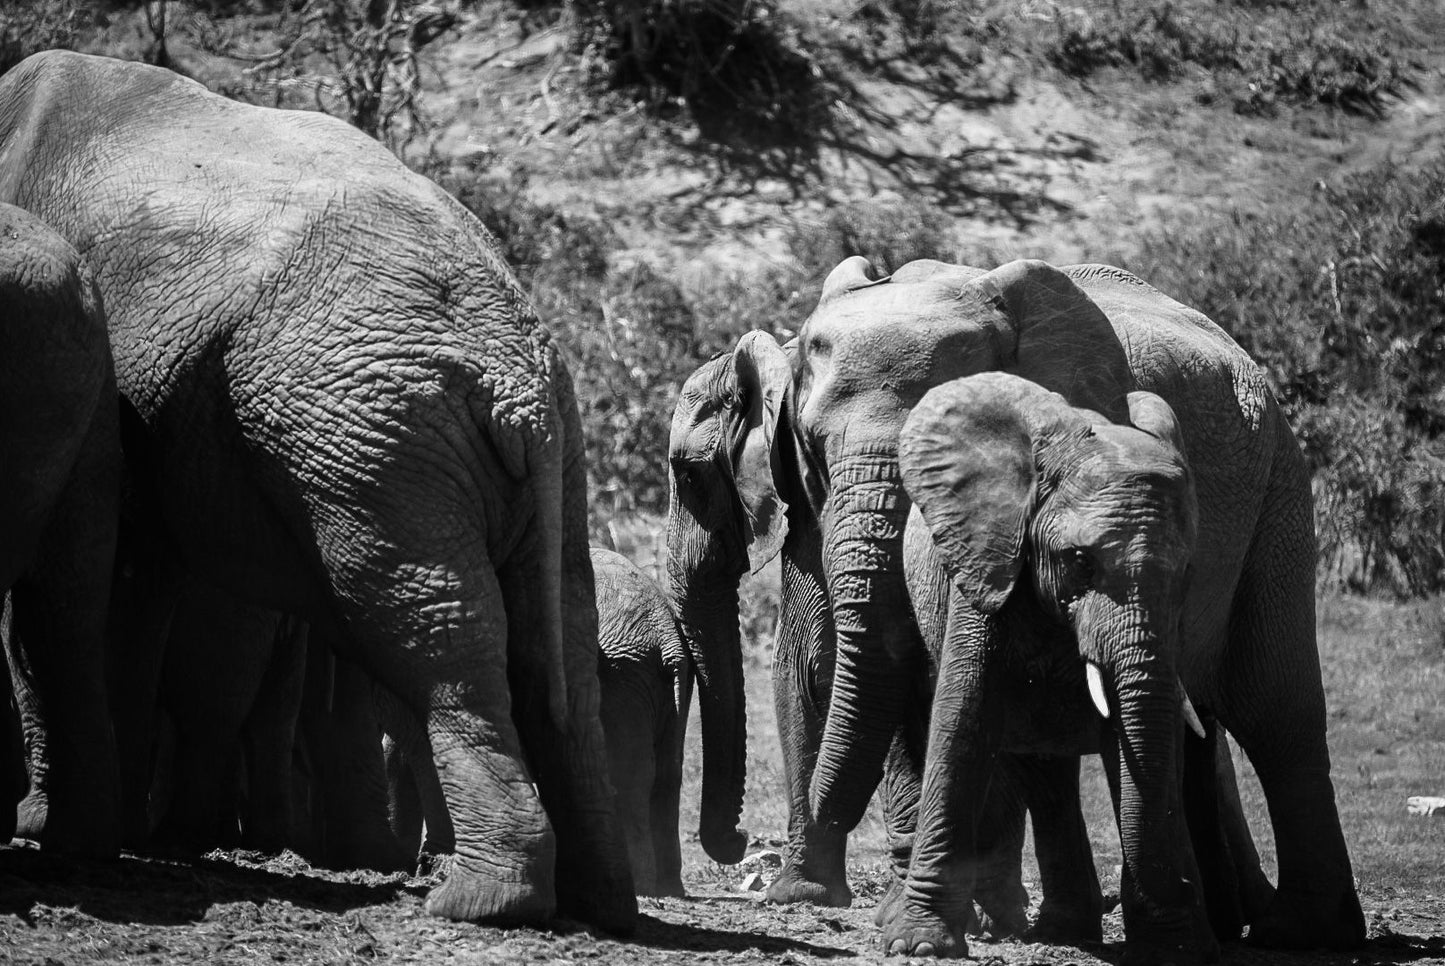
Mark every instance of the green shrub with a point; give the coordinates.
(1343, 304)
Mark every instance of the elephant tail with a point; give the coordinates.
(546, 475)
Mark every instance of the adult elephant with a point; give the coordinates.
(741, 495)
(739, 499)
(870, 352)
(59, 491)
(346, 409)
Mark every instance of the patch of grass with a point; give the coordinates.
(888, 232)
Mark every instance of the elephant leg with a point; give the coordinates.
(666, 798)
(1256, 892)
(269, 738)
(815, 868)
(410, 757)
(1072, 903)
(1273, 704)
(594, 883)
(1202, 810)
(902, 778)
(143, 606)
(627, 720)
(949, 856)
(403, 798)
(14, 781)
(353, 775)
(57, 662)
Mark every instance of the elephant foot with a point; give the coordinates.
(915, 934)
(30, 814)
(793, 884)
(469, 897)
(1003, 920)
(610, 906)
(1296, 921)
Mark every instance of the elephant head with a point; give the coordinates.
(867, 355)
(726, 516)
(1091, 522)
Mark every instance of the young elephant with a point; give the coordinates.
(59, 489)
(646, 678)
(1077, 533)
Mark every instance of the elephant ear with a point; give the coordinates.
(1064, 340)
(764, 373)
(849, 275)
(1154, 416)
(966, 453)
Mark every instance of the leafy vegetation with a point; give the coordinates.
(1348, 56)
(27, 26)
(739, 69)
(1343, 304)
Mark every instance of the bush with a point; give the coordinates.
(28, 26)
(887, 232)
(738, 68)
(1347, 58)
(1343, 304)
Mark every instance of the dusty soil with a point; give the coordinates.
(226, 909)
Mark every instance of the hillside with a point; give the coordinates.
(1279, 164)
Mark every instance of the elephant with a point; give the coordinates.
(59, 498)
(343, 407)
(646, 678)
(868, 354)
(741, 495)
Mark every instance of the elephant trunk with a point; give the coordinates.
(877, 648)
(1160, 875)
(706, 599)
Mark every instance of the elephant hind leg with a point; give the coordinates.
(57, 657)
(1272, 701)
(665, 803)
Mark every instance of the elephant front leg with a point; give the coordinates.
(815, 866)
(1072, 903)
(947, 864)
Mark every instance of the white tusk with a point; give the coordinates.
(1096, 688)
(1191, 717)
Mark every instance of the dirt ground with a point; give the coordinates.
(225, 909)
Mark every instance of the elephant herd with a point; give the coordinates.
(290, 464)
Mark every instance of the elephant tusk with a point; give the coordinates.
(1096, 688)
(1191, 717)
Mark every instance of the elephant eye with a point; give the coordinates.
(1080, 567)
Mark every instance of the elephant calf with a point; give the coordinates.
(59, 490)
(646, 678)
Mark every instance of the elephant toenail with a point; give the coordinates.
(925, 949)
(897, 948)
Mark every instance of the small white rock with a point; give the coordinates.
(752, 882)
(1426, 805)
(764, 858)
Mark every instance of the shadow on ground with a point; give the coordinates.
(159, 892)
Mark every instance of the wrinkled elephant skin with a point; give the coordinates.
(346, 409)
